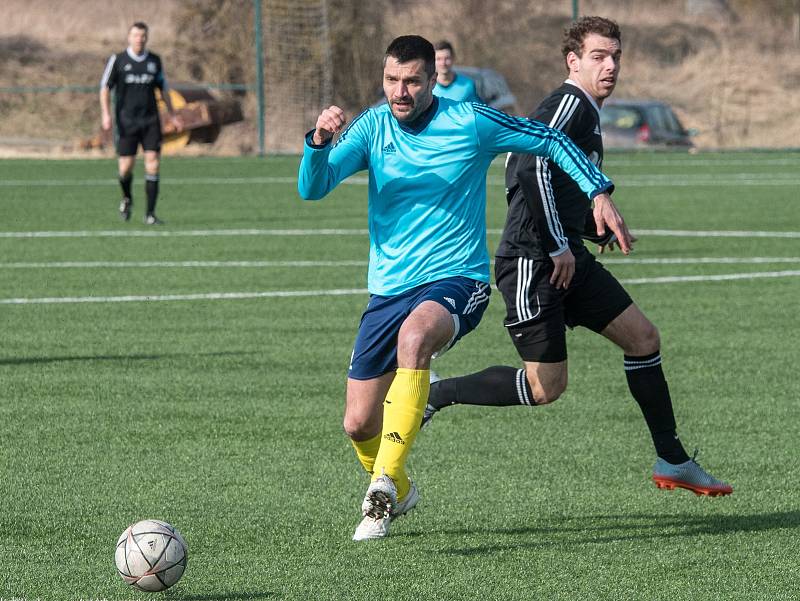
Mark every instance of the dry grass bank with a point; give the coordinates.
(735, 82)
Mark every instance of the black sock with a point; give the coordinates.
(151, 187)
(125, 182)
(649, 387)
(497, 386)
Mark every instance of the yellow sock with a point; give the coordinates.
(402, 415)
(367, 450)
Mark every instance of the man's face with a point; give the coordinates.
(137, 39)
(408, 89)
(444, 61)
(597, 70)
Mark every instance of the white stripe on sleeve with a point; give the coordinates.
(107, 72)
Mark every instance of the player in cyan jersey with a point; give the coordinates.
(549, 279)
(450, 84)
(429, 268)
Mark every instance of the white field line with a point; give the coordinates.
(348, 263)
(694, 161)
(128, 233)
(177, 181)
(182, 297)
(178, 264)
(697, 260)
(350, 291)
(682, 180)
(183, 233)
(789, 178)
(712, 278)
(717, 234)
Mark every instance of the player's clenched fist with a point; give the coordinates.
(330, 121)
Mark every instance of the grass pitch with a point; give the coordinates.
(195, 374)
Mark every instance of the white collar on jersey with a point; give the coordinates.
(585, 93)
(137, 57)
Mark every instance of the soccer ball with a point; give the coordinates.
(151, 555)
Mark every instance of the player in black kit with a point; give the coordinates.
(134, 75)
(549, 280)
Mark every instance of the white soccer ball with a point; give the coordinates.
(151, 555)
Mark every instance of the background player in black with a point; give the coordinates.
(134, 74)
(549, 279)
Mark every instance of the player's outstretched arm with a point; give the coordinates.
(324, 165)
(607, 215)
(330, 122)
(500, 132)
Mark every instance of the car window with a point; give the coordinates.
(620, 117)
(671, 121)
(487, 86)
(491, 86)
(484, 88)
(663, 119)
(656, 119)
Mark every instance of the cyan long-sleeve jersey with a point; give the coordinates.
(462, 88)
(427, 185)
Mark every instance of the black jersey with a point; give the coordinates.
(134, 80)
(547, 211)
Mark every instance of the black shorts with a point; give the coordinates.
(537, 313)
(146, 132)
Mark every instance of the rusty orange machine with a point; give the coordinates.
(201, 114)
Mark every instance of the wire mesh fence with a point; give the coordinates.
(729, 68)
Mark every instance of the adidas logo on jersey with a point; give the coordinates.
(394, 437)
(451, 301)
(389, 148)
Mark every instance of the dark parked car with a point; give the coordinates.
(491, 87)
(642, 124)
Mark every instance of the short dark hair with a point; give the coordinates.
(576, 33)
(412, 47)
(139, 25)
(444, 45)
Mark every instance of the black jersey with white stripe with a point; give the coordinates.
(546, 209)
(134, 80)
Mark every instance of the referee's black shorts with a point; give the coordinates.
(537, 314)
(146, 132)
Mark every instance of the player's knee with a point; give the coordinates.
(547, 391)
(357, 428)
(653, 338)
(647, 340)
(547, 394)
(414, 347)
(125, 168)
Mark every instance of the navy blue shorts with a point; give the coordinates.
(375, 350)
